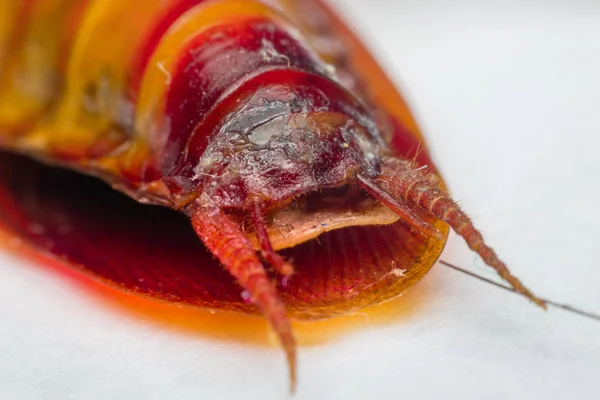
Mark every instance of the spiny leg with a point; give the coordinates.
(229, 244)
(402, 210)
(418, 188)
(258, 219)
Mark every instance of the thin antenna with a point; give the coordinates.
(549, 302)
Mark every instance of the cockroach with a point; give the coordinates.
(267, 124)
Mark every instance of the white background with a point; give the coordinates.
(508, 94)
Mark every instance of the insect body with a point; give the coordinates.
(265, 122)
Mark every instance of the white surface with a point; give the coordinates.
(509, 98)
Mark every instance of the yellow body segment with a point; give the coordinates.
(95, 114)
(30, 52)
(9, 15)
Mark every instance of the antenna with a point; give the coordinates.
(549, 302)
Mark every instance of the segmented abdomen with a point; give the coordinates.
(125, 89)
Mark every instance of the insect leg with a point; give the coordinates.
(418, 188)
(258, 219)
(401, 209)
(229, 244)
